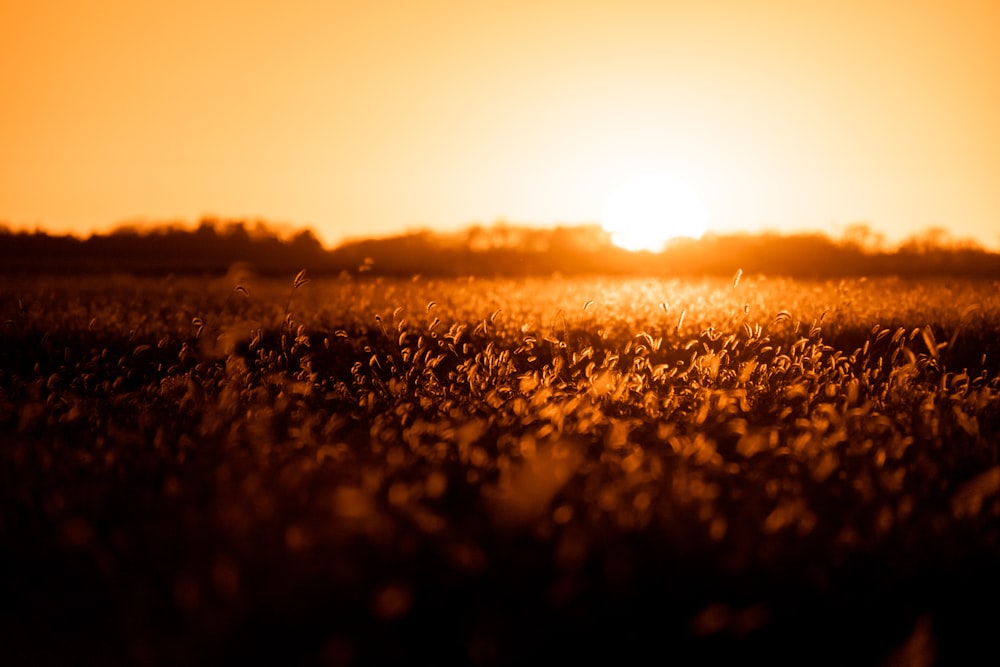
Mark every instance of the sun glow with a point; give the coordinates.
(649, 210)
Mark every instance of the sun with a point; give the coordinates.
(648, 210)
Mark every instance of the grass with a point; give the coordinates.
(491, 471)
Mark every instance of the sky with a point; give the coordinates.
(372, 118)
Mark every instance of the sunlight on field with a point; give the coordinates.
(363, 453)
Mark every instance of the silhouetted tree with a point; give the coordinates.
(860, 235)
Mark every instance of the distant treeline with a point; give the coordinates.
(498, 250)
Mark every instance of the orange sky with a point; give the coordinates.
(362, 118)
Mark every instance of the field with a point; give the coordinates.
(365, 471)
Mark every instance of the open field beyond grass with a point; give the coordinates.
(229, 470)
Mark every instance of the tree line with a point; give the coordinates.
(503, 249)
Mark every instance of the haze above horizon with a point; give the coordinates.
(360, 119)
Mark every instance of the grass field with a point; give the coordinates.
(344, 471)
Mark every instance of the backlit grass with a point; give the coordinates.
(356, 471)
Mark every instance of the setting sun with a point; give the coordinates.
(648, 210)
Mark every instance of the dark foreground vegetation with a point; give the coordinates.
(251, 471)
(499, 250)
